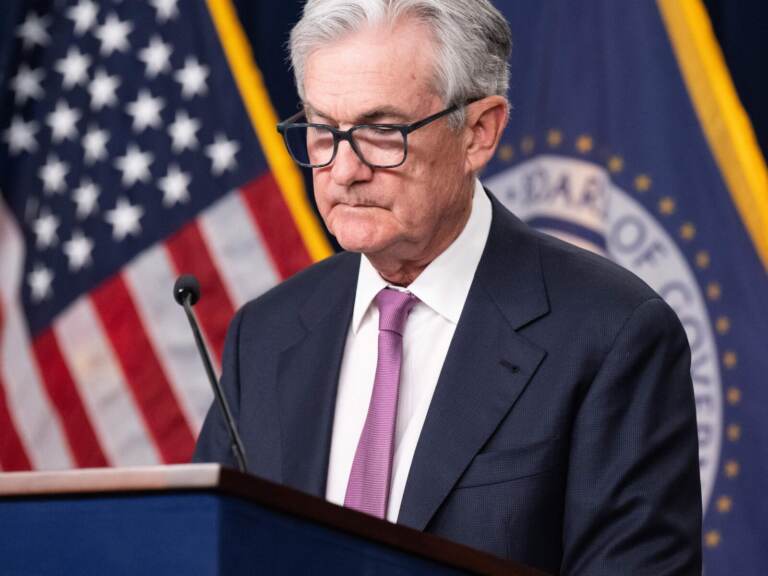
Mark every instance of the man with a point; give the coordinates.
(466, 375)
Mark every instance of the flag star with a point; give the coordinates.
(83, 14)
(86, 197)
(124, 219)
(222, 154)
(33, 31)
(40, 280)
(73, 68)
(78, 250)
(103, 89)
(134, 165)
(63, 122)
(95, 145)
(183, 132)
(27, 84)
(20, 136)
(45, 228)
(156, 57)
(175, 186)
(53, 174)
(113, 35)
(192, 78)
(166, 9)
(145, 111)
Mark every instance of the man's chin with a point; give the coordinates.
(357, 245)
(354, 235)
(364, 243)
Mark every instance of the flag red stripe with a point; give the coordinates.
(142, 371)
(276, 224)
(64, 395)
(190, 255)
(13, 456)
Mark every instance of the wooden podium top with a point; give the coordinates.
(213, 477)
(95, 480)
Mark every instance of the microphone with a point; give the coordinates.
(186, 291)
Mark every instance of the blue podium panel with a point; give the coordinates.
(178, 532)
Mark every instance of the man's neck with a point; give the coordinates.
(403, 271)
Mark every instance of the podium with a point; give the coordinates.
(205, 519)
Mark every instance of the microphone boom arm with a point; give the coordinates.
(237, 443)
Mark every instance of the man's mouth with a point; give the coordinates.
(359, 204)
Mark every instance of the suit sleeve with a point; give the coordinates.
(633, 495)
(214, 444)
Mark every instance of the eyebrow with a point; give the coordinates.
(371, 116)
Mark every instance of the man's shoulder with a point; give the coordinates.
(589, 300)
(577, 281)
(286, 298)
(574, 272)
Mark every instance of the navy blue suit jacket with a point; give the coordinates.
(561, 434)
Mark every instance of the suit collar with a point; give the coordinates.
(335, 291)
(510, 269)
(307, 377)
(487, 367)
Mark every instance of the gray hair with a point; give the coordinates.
(472, 39)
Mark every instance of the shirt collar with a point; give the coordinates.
(444, 284)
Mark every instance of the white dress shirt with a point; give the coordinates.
(442, 289)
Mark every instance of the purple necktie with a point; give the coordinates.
(368, 487)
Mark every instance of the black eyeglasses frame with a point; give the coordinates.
(339, 135)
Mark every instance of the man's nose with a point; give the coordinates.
(347, 168)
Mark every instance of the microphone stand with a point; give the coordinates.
(237, 444)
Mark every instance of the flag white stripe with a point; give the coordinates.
(108, 401)
(37, 422)
(150, 279)
(237, 249)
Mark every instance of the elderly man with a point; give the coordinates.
(465, 375)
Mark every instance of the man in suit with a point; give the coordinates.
(453, 370)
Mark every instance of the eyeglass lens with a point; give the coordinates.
(313, 145)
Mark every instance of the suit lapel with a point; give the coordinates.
(307, 378)
(487, 367)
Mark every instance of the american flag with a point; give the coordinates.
(131, 151)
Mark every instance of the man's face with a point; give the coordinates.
(383, 76)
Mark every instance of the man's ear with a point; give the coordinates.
(485, 123)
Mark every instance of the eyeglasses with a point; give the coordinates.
(377, 145)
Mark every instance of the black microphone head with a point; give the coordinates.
(186, 285)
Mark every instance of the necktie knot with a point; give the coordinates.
(394, 307)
